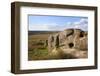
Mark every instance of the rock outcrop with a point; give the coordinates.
(68, 40)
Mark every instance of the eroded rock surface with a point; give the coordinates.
(70, 41)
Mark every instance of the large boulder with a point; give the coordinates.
(69, 39)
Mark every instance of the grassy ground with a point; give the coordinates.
(36, 47)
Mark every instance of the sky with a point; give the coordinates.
(56, 23)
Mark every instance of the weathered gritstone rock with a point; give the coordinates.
(69, 39)
(50, 42)
(82, 43)
(46, 43)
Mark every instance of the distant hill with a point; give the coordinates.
(41, 32)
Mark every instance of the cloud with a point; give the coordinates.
(38, 27)
(82, 24)
(57, 27)
(43, 27)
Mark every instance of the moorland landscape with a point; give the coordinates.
(67, 44)
(57, 37)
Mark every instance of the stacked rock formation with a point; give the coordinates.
(70, 41)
